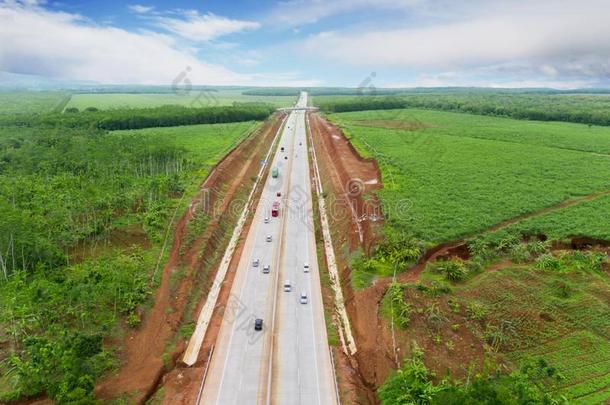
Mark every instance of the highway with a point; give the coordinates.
(288, 361)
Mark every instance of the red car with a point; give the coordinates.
(275, 209)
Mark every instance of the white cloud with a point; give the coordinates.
(61, 45)
(203, 27)
(567, 38)
(140, 9)
(300, 12)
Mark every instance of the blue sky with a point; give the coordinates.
(405, 43)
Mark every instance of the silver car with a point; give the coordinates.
(256, 262)
(266, 269)
(303, 297)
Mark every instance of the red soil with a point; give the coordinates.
(143, 349)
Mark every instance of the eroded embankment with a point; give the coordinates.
(350, 214)
(152, 350)
(349, 181)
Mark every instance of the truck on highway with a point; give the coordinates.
(275, 209)
(275, 172)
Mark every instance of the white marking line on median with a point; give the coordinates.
(284, 217)
(344, 323)
(196, 340)
(308, 223)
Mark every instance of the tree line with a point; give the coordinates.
(583, 109)
(136, 118)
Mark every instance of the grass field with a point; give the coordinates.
(193, 99)
(205, 144)
(24, 102)
(587, 218)
(449, 175)
(570, 331)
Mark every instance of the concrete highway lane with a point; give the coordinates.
(288, 362)
(301, 360)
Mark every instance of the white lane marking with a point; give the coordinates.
(307, 224)
(243, 288)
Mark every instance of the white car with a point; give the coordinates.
(287, 286)
(256, 262)
(306, 267)
(303, 297)
(268, 238)
(266, 269)
(266, 220)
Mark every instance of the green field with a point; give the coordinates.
(587, 218)
(25, 102)
(450, 175)
(66, 192)
(570, 330)
(105, 101)
(591, 109)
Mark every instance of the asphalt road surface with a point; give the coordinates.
(288, 362)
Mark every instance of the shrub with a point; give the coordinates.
(399, 309)
(519, 253)
(454, 269)
(476, 311)
(548, 262)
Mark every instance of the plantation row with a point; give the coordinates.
(593, 110)
(165, 116)
(65, 194)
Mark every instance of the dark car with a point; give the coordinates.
(258, 324)
(279, 194)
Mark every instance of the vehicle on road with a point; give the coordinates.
(275, 209)
(256, 262)
(269, 238)
(266, 269)
(285, 157)
(300, 143)
(275, 172)
(266, 220)
(282, 149)
(258, 324)
(287, 286)
(306, 267)
(303, 297)
(278, 194)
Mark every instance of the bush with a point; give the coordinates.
(476, 311)
(454, 269)
(396, 305)
(519, 253)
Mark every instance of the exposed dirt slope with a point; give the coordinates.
(376, 358)
(143, 349)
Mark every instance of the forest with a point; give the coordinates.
(592, 109)
(165, 116)
(70, 191)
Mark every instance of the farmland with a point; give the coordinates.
(538, 106)
(194, 98)
(509, 299)
(453, 175)
(32, 102)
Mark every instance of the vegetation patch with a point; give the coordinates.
(64, 188)
(460, 178)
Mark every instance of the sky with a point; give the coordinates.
(559, 44)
